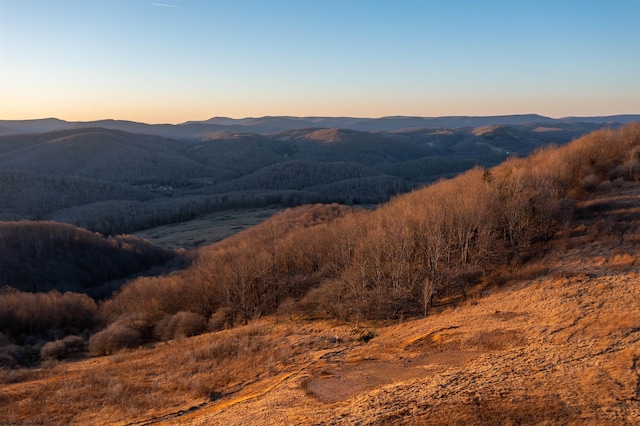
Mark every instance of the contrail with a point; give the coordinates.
(164, 5)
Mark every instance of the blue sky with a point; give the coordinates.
(177, 60)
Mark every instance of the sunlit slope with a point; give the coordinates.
(432, 244)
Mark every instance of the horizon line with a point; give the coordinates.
(324, 116)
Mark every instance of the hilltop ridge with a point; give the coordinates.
(114, 181)
(275, 124)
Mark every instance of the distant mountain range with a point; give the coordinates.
(268, 125)
(120, 176)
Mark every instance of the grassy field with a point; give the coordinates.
(206, 229)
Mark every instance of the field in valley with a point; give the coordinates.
(206, 229)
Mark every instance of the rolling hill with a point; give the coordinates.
(34, 196)
(114, 181)
(506, 295)
(296, 174)
(44, 256)
(266, 125)
(106, 155)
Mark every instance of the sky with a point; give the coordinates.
(169, 61)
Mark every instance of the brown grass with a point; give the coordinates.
(170, 377)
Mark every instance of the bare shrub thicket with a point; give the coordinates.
(38, 326)
(115, 337)
(53, 350)
(241, 278)
(180, 325)
(28, 314)
(391, 262)
(60, 349)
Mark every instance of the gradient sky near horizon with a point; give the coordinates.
(169, 61)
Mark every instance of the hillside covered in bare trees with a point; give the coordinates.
(443, 244)
(395, 261)
(331, 261)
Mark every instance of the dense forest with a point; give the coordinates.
(44, 256)
(324, 260)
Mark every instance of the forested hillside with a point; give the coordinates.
(108, 155)
(434, 242)
(44, 256)
(112, 181)
(28, 195)
(434, 245)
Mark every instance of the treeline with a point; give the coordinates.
(118, 217)
(32, 196)
(44, 256)
(297, 174)
(44, 326)
(34, 318)
(124, 216)
(393, 261)
(370, 190)
(429, 169)
(342, 182)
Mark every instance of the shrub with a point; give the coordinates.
(10, 356)
(287, 309)
(53, 350)
(60, 349)
(182, 324)
(113, 338)
(221, 319)
(74, 344)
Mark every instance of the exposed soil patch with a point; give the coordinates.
(507, 315)
(342, 383)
